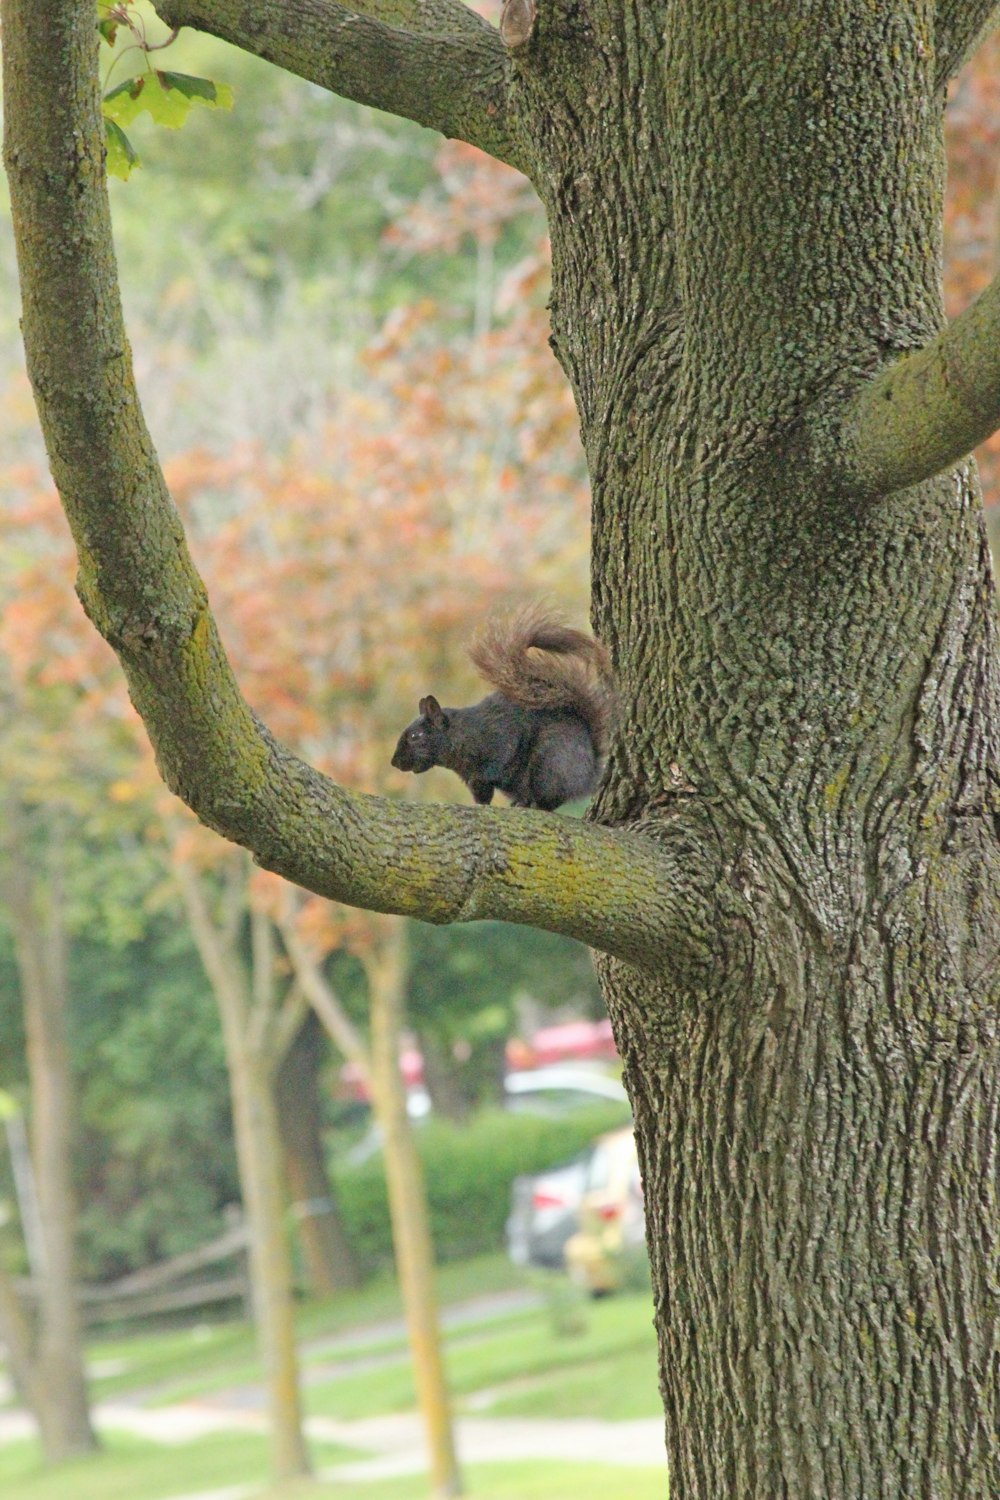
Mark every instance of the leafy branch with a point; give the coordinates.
(167, 97)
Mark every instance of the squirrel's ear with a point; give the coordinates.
(422, 708)
(431, 709)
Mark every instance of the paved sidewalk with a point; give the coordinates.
(395, 1442)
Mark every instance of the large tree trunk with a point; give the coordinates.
(809, 681)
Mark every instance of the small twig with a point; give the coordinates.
(167, 41)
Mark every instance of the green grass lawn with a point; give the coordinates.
(180, 1364)
(608, 1370)
(514, 1364)
(134, 1363)
(534, 1479)
(133, 1469)
(618, 1334)
(616, 1388)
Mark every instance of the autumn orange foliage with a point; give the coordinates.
(972, 205)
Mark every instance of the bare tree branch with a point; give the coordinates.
(432, 61)
(286, 1024)
(633, 896)
(960, 27)
(228, 983)
(324, 1000)
(925, 412)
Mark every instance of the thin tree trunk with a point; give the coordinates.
(449, 1096)
(386, 970)
(259, 1155)
(17, 1334)
(330, 1262)
(57, 1373)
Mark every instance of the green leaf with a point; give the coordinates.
(122, 155)
(9, 1106)
(167, 97)
(199, 90)
(109, 18)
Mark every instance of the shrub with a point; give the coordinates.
(469, 1169)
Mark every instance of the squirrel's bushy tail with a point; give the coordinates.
(538, 661)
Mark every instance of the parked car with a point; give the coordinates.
(555, 1091)
(545, 1213)
(545, 1206)
(561, 1089)
(610, 1244)
(582, 1041)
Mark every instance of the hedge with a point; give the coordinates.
(469, 1169)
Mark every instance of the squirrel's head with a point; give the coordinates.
(420, 744)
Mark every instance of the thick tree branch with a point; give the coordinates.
(632, 896)
(451, 79)
(960, 27)
(922, 414)
(426, 17)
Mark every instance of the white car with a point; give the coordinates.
(560, 1089)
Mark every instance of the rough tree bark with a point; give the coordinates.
(793, 873)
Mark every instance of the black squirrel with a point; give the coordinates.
(541, 736)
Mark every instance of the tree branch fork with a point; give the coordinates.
(915, 418)
(636, 897)
(435, 62)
